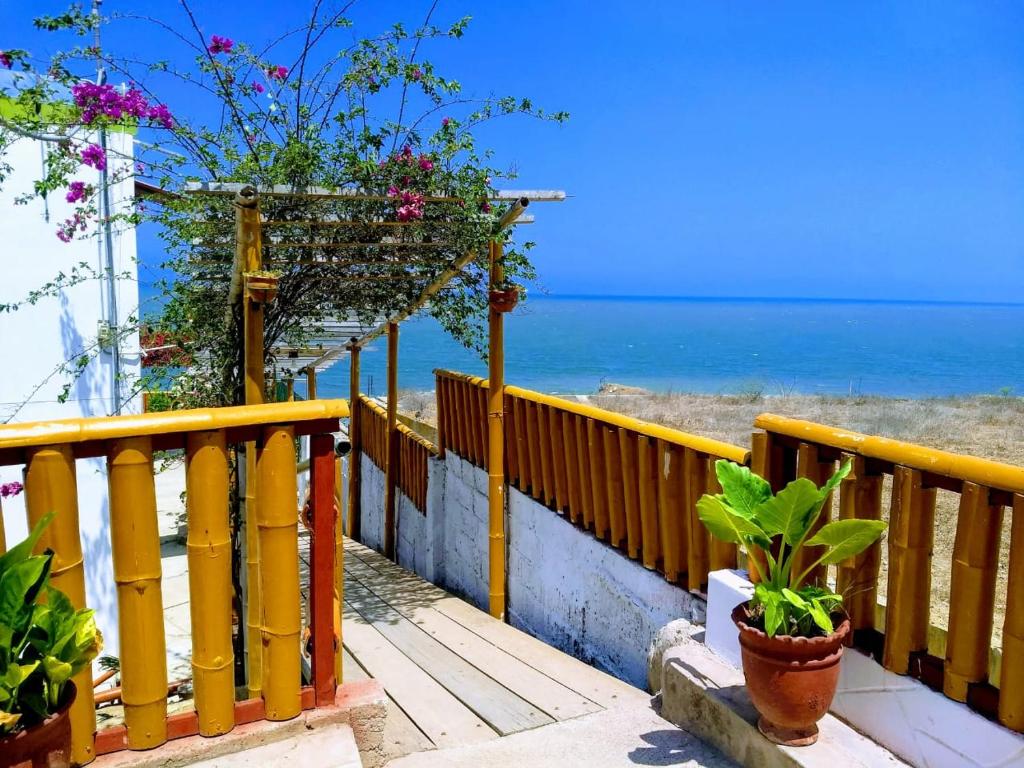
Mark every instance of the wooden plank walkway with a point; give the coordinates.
(454, 675)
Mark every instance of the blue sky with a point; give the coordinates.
(863, 149)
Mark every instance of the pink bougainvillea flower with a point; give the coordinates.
(5, 60)
(485, 207)
(93, 155)
(258, 86)
(140, 168)
(76, 191)
(445, 121)
(392, 191)
(277, 73)
(417, 74)
(426, 164)
(220, 44)
(161, 114)
(11, 489)
(66, 231)
(409, 213)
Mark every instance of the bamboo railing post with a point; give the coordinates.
(571, 460)
(279, 573)
(647, 472)
(613, 487)
(595, 443)
(911, 530)
(440, 397)
(670, 508)
(339, 571)
(355, 438)
(511, 442)
(1011, 677)
(631, 491)
(323, 583)
(583, 462)
(721, 555)
(249, 258)
(972, 591)
(209, 565)
(809, 466)
(496, 441)
(51, 485)
(696, 540)
(558, 470)
(135, 539)
(860, 496)
(391, 472)
(311, 383)
(533, 450)
(544, 451)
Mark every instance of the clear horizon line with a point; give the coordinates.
(801, 299)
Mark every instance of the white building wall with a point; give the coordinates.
(36, 340)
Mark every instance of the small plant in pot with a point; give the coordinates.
(791, 631)
(44, 642)
(504, 297)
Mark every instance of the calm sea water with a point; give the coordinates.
(728, 346)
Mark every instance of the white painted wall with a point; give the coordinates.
(464, 530)
(36, 340)
(371, 504)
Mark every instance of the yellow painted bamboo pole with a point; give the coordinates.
(1011, 677)
(135, 540)
(630, 491)
(311, 383)
(355, 438)
(720, 554)
(583, 462)
(51, 485)
(249, 258)
(599, 489)
(696, 556)
(391, 470)
(496, 441)
(972, 591)
(558, 471)
(613, 487)
(277, 522)
(860, 496)
(572, 473)
(670, 508)
(209, 565)
(647, 477)
(911, 530)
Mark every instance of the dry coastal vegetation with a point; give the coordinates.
(989, 427)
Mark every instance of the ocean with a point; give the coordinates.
(727, 346)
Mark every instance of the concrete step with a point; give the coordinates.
(706, 695)
(624, 737)
(332, 746)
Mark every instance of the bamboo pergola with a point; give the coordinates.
(373, 254)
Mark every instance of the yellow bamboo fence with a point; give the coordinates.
(788, 448)
(633, 484)
(49, 451)
(414, 450)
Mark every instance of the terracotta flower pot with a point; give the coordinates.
(504, 300)
(791, 680)
(46, 745)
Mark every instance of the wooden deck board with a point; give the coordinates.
(499, 707)
(548, 695)
(591, 683)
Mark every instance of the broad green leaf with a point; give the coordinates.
(21, 551)
(19, 586)
(845, 538)
(789, 511)
(742, 489)
(837, 477)
(794, 599)
(820, 616)
(726, 525)
(57, 671)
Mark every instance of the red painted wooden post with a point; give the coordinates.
(321, 469)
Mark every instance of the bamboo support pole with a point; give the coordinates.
(323, 578)
(496, 442)
(51, 485)
(1011, 678)
(391, 471)
(339, 571)
(911, 530)
(613, 487)
(135, 540)
(670, 508)
(210, 591)
(720, 554)
(696, 555)
(583, 462)
(311, 383)
(972, 591)
(277, 522)
(249, 258)
(355, 438)
(647, 475)
(860, 496)
(630, 491)
(558, 469)
(595, 443)
(571, 467)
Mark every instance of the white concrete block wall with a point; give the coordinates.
(371, 504)
(582, 596)
(465, 530)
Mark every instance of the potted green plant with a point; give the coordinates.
(44, 642)
(504, 297)
(791, 631)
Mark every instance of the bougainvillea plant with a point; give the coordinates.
(319, 107)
